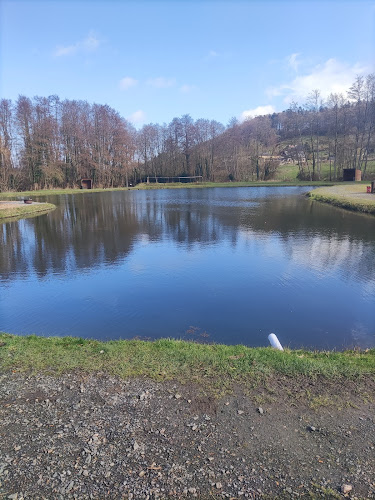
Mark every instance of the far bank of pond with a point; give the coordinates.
(349, 196)
(153, 185)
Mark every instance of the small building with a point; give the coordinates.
(86, 183)
(351, 174)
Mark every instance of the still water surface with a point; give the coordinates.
(226, 265)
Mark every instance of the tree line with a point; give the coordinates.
(46, 142)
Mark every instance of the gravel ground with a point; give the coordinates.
(84, 436)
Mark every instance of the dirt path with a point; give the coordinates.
(99, 437)
(356, 191)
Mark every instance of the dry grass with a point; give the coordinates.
(17, 209)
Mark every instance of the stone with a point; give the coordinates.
(136, 446)
(346, 488)
(218, 486)
(69, 487)
(260, 410)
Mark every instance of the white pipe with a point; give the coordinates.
(274, 341)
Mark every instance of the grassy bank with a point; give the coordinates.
(174, 359)
(174, 185)
(48, 192)
(350, 196)
(19, 212)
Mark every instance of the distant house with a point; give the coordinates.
(293, 154)
(268, 158)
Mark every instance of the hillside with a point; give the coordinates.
(48, 143)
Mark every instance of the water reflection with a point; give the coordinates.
(86, 231)
(238, 244)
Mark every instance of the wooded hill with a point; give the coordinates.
(49, 143)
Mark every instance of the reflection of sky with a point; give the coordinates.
(323, 254)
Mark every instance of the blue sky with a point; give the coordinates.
(152, 60)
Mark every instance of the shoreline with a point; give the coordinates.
(351, 197)
(165, 359)
(10, 210)
(143, 186)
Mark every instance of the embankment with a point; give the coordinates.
(19, 210)
(349, 196)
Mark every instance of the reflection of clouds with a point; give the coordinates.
(326, 254)
(137, 267)
(143, 239)
(322, 254)
(369, 289)
(361, 336)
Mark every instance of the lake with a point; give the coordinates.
(225, 265)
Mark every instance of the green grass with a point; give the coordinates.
(289, 172)
(47, 192)
(175, 359)
(178, 185)
(351, 196)
(25, 211)
(174, 185)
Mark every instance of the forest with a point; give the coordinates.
(46, 142)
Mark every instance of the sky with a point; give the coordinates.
(153, 61)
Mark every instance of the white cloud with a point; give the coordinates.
(161, 82)
(332, 76)
(259, 111)
(88, 44)
(292, 61)
(187, 88)
(91, 42)
(138, 117)
(128, 82)
(214, 54)
(65, 51)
